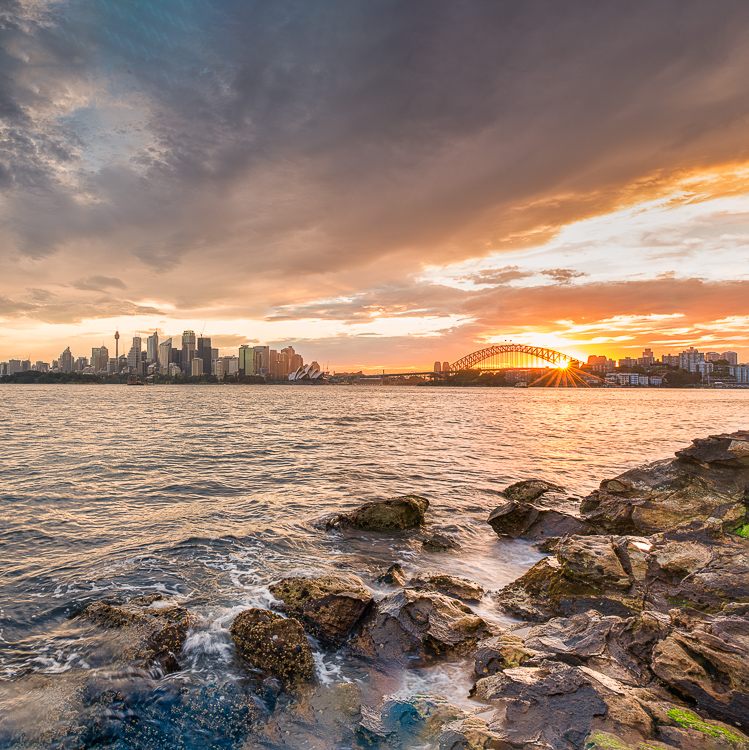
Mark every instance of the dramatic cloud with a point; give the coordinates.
(287, 161)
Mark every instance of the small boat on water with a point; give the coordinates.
(133, 380)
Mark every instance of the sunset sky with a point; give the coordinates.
(379, 184)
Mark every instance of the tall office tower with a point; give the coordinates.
(273, 364)
(66, 361)
(165, 356)
(205, 353)
(196, 367)
(99, 358)
(296, 362)
(188, 349)
(731, 357)
(246, 360)
(134, 355)
(14, 366)
(438, 367)
(152, 347)
(262, 360)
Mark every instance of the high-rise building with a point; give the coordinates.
(14, 366)
(134, 355)
(689, 358)
(152, 347)
(205, 353)
(196, 367)
(165, 355)
(261, 360)
(99, 358)
(66, 361)
(647, 359)
(731, 357)
(246, 360)
(670, 359)
(188, 349)
(712, 356)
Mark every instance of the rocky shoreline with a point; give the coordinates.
(632, 633)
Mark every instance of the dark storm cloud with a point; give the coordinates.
(291, 137)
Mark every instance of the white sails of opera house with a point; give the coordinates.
(307, 372)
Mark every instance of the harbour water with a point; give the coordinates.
(208, 494)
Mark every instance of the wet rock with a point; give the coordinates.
(454, 586)
(472, 733)
(393, 514)
(274, 645)
(526, 521)
(394, 576)
(419, 625)
(328, 607)
(439, 543)
(707, 483)
(529, 490)
(159, 624)
(560, 705)
(706, 659)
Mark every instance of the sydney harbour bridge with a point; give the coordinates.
(539, 366)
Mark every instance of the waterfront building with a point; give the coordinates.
(14, 366)
(196, 367)
(173, 369)
(152, 347)
(165, 356)
(218, 368)
(690, 358)
(731, 357)
(99, 358)
(246, 360)
(231, 365)
(627, 362)
(704, 368)
(740, 372)
(205, 353)
(261, 360)
(40, 366)
(647, 358)
(66, 361)
(670, 359)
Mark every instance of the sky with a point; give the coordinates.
(379, 184)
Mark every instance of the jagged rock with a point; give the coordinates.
(501, 652)
(526, 521)
(419, 625)
(472, 733)
(458, 588)
(160, 627)
(560, 705)
(393, 514)
(439, 543)
(706, 659)
(394, 575)
(707, 482)
(274, 645)
(529, 490)
(328, 607)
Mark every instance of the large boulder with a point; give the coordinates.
(418, 626)
(275, 645)
(393, 514)
(706, 659)
(535, 509)
(328, 607)
(707, 483)
(159, 627)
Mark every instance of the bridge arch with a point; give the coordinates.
(498, 357)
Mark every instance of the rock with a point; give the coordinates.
(274, 645)
(458, 588)
(529, 490)
(560, 705)
(706, 659)
(328, 607)
(472, 733)
(393, 514)
(439, 543)
(525, 521)
(706, 483)
(501, 652)
(419, 625)
(394, 575)
(159, 625)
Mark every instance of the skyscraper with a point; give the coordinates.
(165, 356)
(205, 353)
(66, 361)
(152, 347)
(188, 349)
(246, 360)
(134, 355)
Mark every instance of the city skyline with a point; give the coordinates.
(383, 186)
